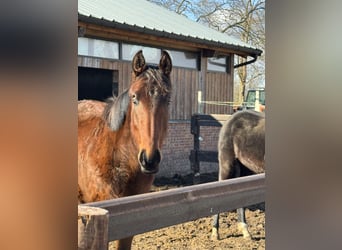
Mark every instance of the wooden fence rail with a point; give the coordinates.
(146, 212)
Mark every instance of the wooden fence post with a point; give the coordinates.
(197, 155)
(92, 228)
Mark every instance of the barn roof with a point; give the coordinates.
(143, 16)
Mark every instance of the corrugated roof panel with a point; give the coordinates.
(150, 16)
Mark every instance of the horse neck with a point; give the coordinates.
(123, 139)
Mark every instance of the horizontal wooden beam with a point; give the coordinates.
(95, 30)
(214, 120)
(207, 156)
(210, 123)
(212, 117)
(142, 213)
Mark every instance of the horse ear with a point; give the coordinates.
(165, 63)
(138, 64)
(115, 111)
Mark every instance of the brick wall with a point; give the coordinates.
(177, 146)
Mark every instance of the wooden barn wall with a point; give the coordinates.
(184, 87)
(184, 93)
(218, 89)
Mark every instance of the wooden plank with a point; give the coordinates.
(230, 80)
(92, 228)
(207, 156)
(211, 117)
(187, 93)
(174, 97)
(192, 95)
(217, 91)
(126, 70)
(194, 128)
(142, 213)
(202, 155)
(215, 120)
(95, 30)
(212, 123)
(202, 82)
(194, 163)
(214, 95)
(206, 95)
(220, 93)
(226, 96)
(180, 94)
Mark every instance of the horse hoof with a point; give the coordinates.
(244, 229)
(214, 234)
(247, 236)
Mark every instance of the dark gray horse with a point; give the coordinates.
(241, 146)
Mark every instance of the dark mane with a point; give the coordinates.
(107, 110)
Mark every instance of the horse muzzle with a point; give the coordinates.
(149, 165)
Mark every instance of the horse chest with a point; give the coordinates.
(127, 178)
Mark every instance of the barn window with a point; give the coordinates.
(217, 64)
(184, 59)
(98, 48)
(152, 55)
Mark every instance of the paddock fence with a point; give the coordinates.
(104, 221)
(196, 154)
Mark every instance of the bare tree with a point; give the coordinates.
(243, 19)
(179, 6)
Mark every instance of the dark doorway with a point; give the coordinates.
(97, 84)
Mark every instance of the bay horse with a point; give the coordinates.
(241, 151)
(119, 141)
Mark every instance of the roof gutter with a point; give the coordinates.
(247, 62)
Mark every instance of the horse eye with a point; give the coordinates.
(153, 92)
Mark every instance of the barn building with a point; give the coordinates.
(110, 32)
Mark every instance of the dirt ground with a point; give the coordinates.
(196, 234)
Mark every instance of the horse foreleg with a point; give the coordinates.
(215, 227)
(242, 225)
(124, 244)
(224, 171)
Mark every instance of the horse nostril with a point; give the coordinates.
(156, 156)
(149, 164)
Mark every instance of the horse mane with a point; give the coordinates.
(115, 110)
